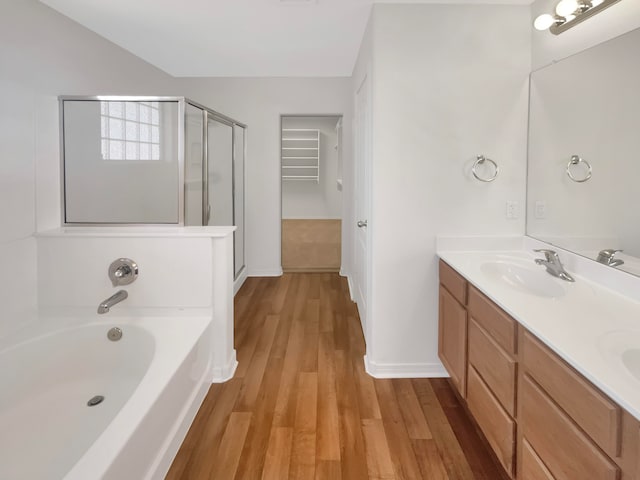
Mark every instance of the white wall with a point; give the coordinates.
(617, 19)
(259, 102)
(43, 54)
(304, 199)
(450, 83)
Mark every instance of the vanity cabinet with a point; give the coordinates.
(572, 427)
(452, 331)
(486, 341)
(542, 418)
(491, 395)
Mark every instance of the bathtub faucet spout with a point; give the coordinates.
(118, 297)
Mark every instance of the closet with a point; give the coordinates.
(311, 193)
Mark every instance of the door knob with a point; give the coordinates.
(362, 223)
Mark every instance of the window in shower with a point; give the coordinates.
(130, 130)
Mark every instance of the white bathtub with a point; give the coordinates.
(153, 380)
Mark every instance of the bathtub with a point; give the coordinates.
(153, 380)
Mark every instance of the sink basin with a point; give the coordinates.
(523, 278)
(631, 361)
(622, 348)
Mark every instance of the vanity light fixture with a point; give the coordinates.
(569, 13)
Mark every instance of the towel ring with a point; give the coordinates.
(576, 160)
(480, 159)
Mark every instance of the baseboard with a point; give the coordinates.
(404, 370)
(310, 269)
(222, 374)
(353, 299)
(238, 282)
(265, 272)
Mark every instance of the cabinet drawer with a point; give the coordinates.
(489, 316)
(495, 423)
(454, 282)
(567, 452)
(589, 408)
(452, 339)
(496, 368)
(532, 467)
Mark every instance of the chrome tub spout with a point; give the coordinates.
(117, 297)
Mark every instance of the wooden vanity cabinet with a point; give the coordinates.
(477, 341)
(492, 367)
(542, 418)
(571, 426)
(452, 326)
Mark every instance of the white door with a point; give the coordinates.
(362, 197)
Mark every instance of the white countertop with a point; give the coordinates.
(585, 326)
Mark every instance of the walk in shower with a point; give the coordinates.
(152, 160)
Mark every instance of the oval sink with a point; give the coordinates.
(631, 360)
(522, 278)
(622, 348)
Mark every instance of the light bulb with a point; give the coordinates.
(543, 22)
(566, 7)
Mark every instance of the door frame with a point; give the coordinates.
(346, 197)
(364, 85)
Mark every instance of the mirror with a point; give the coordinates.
(121, 161)
(584, 113)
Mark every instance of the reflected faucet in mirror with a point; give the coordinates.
(606, 257)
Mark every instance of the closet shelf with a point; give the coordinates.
(300, 153)
(300, 177)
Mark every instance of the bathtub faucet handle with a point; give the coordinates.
(123, 271)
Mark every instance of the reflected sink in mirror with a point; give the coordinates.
(523, 278)
(622, 348)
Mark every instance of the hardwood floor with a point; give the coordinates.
(301, 405)
(311, 245)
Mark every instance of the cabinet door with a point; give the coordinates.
(452, 341)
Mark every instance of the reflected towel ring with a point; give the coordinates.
(480, 159)
(576, 160)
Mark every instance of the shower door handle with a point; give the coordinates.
(208, 213)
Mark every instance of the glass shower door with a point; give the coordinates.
(238, 197)
(220, 173)
(193, 158)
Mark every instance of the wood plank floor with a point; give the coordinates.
(301, 406)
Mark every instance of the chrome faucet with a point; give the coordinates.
(553, 264)
(606, 257)
(117, 297)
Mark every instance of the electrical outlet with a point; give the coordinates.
(540, 209)
(512, 209)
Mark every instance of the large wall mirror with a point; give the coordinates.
(584, 153)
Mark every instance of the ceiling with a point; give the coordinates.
(236, 38)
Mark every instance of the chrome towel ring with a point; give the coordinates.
(576, 160)
(480, 159)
